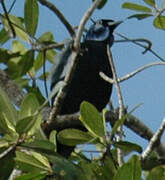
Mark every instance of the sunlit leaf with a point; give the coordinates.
(129, 170)
(92, 119)
(28, 106)
(6, 55)
(150, 2)
(26, 124)
(18, 27)
(72, 137)
(159, 22)
(46, 37)
(31, 13)
(40, 145)
(4, 36)
(156, 173)
(128, 147)
(26, 62)
(136, 7)
(8, 113)
(33, 162)
(52, 137)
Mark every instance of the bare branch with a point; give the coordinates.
(130, 75)
(147, 48)
(121, 103)
(154, 141)
(8, 19)
(133, 123)
(54, 9)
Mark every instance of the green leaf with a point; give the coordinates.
(52, 138)
(50, 55)
(37, 92)
(7, 165)
(159, 22)
(128, 147)
(64, 169)
(18, 27)
(129, 170)
(38, 63)
(40, 145)
(29, 118)
(72, 137)
(157, 173)
(4, 36)
(4, 143)
(150, 2)
(102, 3)
(26, 124)
(92, 119)
(140, 16)
(29, 106)
(26, 62)
(32, 176)
(18, 47)
(33, 162)
(46, 37)
(8, 114)
(6, 55)
(31, 14)
(136, 7)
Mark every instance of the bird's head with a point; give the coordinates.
(102, 30)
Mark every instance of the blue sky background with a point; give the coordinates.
(147, 87)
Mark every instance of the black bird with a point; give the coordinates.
(86, 83)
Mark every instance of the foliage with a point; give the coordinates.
(23, 144)
(151, 10)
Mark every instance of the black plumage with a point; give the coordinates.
(86, 83)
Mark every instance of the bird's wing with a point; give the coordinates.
(63, 63)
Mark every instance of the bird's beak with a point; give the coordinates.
(115, 23)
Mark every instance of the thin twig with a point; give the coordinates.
(130, 75)
(153, 142)
(83, 22)
(147, 48)
(62, 18)
(8, 19)
(44, 73)
(11, 7)
(60, 96)
(4, 153)
(121, 102)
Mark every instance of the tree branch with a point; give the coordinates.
(8, 19)
(153, 142)
(130, 75)
(54, 9)
(112, 116)
(121, 103)
(135, 41)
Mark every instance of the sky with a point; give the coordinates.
(147, 87)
